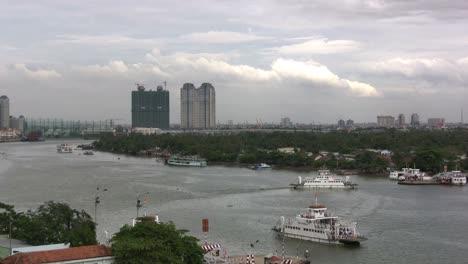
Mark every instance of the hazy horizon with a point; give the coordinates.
(315, 62)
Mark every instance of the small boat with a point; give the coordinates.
(316, 224)
(324, 180)
(260, 166)
(64, 148)
(88, 152)
(186, 162)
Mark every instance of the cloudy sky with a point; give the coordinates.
(313, 61)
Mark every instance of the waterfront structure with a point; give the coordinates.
(198, 106)
(414, 120)
(4, 112)
(401, 120)
(150, 108)
(436, 122)
(286, 122)
(386, 121)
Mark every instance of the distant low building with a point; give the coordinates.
(436, 122)
(385, 121)
(287, 150)
(146, 130)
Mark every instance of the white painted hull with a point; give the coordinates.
(187, 164)
(326, 186)
(313, 239)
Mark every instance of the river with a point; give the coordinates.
(404, 224)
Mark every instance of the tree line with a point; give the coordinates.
(146, 242)
(428, 150)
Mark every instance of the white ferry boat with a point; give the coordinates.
(452, 177)
(408, 172)
(317, 224)
(186, 162)
(394, 175)
(64, 148)
(324, 180)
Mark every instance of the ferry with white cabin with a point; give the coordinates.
(394, 175)
(407, 172)
(186, 162)
(451, 177)
(316, 224)
(64, 148)
(324, 180)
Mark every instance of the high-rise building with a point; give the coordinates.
(207, 104)
(401, 120)
(285, 122)
(349, 123)
(197, 106)
(4, 112)
(150, 108)
(341, 123)
(415, 120)
(386, 121)
(18, 123)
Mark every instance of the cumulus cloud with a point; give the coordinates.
(181, 65)
(318, 46)
(426, 68)
(34, 72)
(216, 37)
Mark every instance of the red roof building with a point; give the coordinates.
(85, 254)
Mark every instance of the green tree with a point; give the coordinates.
(56, 222)
(150, 242)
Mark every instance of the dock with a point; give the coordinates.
(420, 182)
(261, 260)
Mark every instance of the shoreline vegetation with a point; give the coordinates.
(360, 151)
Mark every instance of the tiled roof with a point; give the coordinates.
(47, 256)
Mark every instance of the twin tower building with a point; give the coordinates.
(197, 107)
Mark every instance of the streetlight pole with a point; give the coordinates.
(96, 202)
(11, 249)
(139, 204)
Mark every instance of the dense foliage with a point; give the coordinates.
(51, 223)
(150, 242)
(429, 150)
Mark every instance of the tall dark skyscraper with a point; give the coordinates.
(150, 108)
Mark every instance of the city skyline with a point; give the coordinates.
(317, 64)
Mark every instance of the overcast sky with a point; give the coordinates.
(313, 61)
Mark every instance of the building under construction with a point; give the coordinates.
(150, 108)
